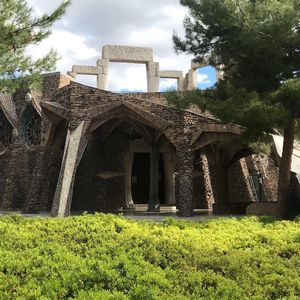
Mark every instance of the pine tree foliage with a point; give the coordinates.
(257, 44)
(19, 29)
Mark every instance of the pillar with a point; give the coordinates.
(128, 162)
(180, 84)
(185, 160)
(152, 77)
(102, 77)
(154, 204)
(207, 181)
(170, 169)
(192, 80)
(74, 148)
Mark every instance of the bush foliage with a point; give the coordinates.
(109, 257)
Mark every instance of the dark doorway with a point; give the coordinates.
(140, 180)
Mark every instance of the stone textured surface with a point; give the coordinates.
(170, 74)
(262, 209)
(29, 178)
(129, 54)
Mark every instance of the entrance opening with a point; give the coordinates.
(140, 180)
(131, 78)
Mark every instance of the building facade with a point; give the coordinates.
(77, 148)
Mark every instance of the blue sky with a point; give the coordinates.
(90, 24)
(208, 77)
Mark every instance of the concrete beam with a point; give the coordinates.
(86, 70)
(170, 74)
(127, 54)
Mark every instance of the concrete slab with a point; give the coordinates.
(127, 54)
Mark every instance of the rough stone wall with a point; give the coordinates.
(239, 185)
(202, 191)
(51, 83)
(4, 173)
(266, 166)
(19, 166)
(92, 192)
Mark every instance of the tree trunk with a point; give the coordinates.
(285, 168)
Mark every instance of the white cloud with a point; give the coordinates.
(90, 24)
(203, 78)
(69, 46)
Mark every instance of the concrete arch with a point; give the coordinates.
(130, 111)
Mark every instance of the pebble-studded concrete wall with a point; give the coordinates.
(91, 192)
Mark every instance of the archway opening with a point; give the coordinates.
(140, 178)
(127, 77)
(168, 84)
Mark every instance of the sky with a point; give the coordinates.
(90, 24)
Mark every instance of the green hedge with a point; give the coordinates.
(109, 257)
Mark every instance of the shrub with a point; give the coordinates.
(109, 257)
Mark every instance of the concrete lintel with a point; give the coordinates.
(170, 74)
(127, 54)
(86, 70)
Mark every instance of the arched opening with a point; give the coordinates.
(115, 168)
(5, 132)
(30, 127)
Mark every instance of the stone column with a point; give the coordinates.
(185, 160)
(170, 169)
(207, 181)
(74, 149)
(192, 80)
(152, 77)
(102, 77)
(154, 204)
(128, 162)
(180, 84)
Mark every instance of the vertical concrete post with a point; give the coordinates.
(185, 160)
(102, 77)
(153, 204)
(152, 77)
(180, 84)
(74, 148)
(192, 80)
(170, 169)
(128, 162)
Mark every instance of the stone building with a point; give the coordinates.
(78, 148)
